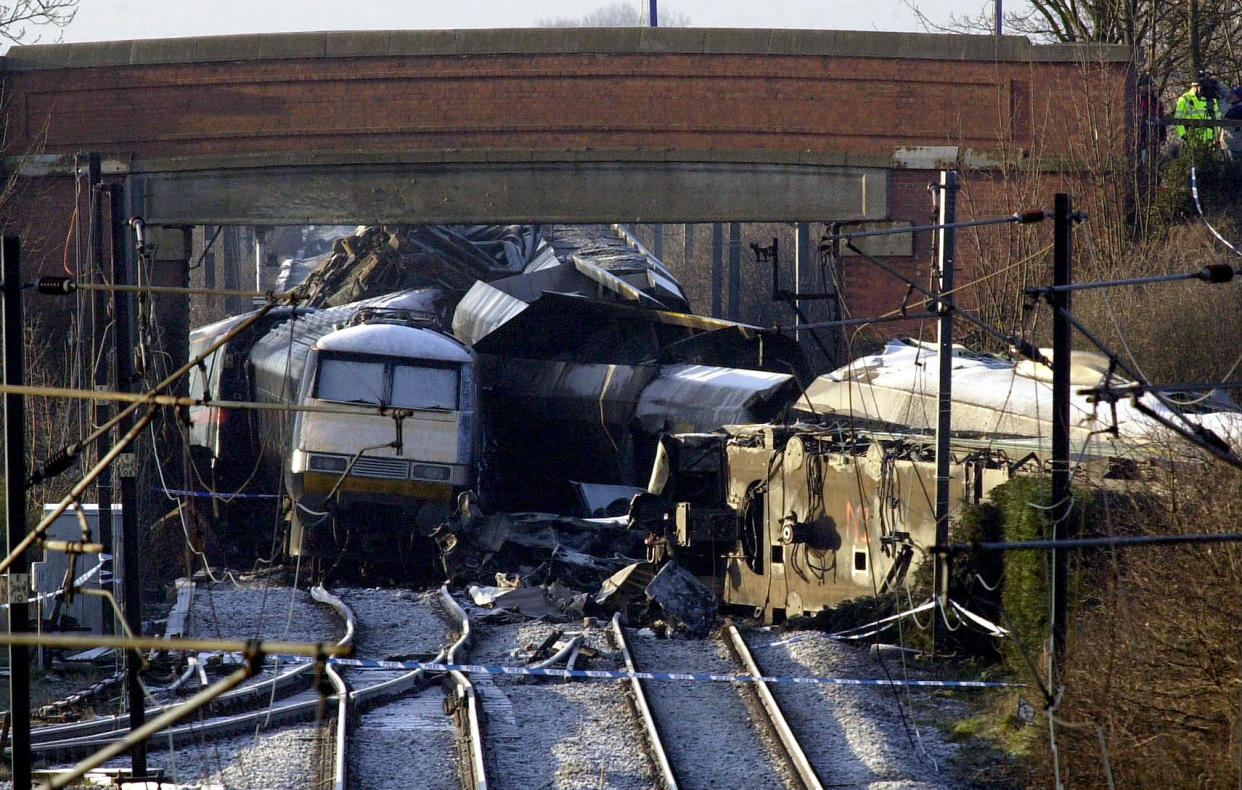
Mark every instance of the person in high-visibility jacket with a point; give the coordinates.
(1192, 104)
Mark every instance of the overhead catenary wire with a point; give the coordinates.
(1018, 217)
(1191, 430)
(152, 399)
(1021, 345)
(61, 286)
(1123, 541)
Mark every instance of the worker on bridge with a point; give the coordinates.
(1199, 102)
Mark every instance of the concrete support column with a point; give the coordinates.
(735, 271)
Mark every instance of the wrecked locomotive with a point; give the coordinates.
(381, 470)
(798, 518)
(778, 520)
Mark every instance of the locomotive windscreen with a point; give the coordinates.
(387, 384)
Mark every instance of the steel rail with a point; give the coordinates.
(466, 704)
(153, 726)
(797, 757)
(304, 649)
(339, 777)
(104, 725)
(638, 697)
(292, 712)
(69, 739)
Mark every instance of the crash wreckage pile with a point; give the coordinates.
(631, 449)
(541, 564)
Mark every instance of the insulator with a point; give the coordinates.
(56, 286)
(1216, 273)
(56, 465)
(1029, 216)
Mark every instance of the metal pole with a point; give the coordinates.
(103, 490)
(999, 13)
(260, 239)
(946, 197)
(1062, 254)
(802, 264)
(717, 270)
(127, 467)
(653, 16)
(735, 271)
(15, 509)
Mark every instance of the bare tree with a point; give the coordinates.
(15, 18)
(1158, 32)
(632, 14)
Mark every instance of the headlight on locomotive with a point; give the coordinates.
(426, 472)
(335, 464)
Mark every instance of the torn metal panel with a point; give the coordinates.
(611, 282)
(687, 604)
(603, 500)
(550, 422)
(482, 309)
(379, 260)
(552, 601)
(996, 397)
(625, 586)
(614, 249)
(579, 553)
(691, 398)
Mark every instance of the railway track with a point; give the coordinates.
(854, 736)
(553, 732)
(822, 735)
(712, 733)
(509, 731)
(282, 700)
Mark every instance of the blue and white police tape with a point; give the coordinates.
(78, 582)
(1194, 191)
(211, 494)
(609, 674)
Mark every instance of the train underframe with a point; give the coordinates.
(380, 525)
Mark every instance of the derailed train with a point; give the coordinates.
(794, 519)
(400, 442)
(566, 371)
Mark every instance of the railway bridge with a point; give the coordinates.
(651, 125)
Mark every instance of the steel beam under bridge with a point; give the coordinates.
(454, 186)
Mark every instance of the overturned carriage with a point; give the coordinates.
(795, 519)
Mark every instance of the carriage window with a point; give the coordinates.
(424, 388)
(349, 381)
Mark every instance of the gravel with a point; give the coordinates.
(558, 734)
(410, 742)
(553, 733)
(707, 728)
(856, 737)
(285, 757)
(270, 612)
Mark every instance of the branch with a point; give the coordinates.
(14, 18)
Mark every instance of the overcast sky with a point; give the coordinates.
(102, 20)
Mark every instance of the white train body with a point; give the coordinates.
(382, 468)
